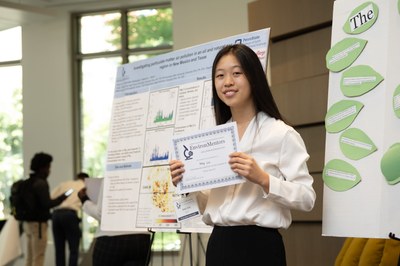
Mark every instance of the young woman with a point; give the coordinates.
(246, 217)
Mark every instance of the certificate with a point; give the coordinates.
(205, 155)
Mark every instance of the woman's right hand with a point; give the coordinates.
(177, 170)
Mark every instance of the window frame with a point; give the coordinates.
(4, 203)
(78, 58)
(77, 62)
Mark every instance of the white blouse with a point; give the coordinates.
(280, 151)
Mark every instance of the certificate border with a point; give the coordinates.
(221, 180)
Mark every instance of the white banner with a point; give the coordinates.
(362, 159)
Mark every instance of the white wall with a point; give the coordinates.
(47, 95)
(197, 22)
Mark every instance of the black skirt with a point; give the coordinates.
(245, 245)
(121, 250)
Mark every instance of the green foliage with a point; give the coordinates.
(94, 139)
(94, 163)
(166, 241)
(11, 165)
(146, 28)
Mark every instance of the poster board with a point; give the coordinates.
(93, 186)
(155, 99)
(362, 156)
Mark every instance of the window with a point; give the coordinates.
(11, 165)
(105, 40)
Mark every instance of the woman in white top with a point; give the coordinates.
(272, 159)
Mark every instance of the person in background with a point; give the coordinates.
(246, 217)
(66, 220)
(36, 228)
(116, 247)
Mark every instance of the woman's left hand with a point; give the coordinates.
(245, 165)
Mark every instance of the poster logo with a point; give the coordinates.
(187, 153)
(121, 75)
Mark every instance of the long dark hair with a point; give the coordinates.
(252, 68)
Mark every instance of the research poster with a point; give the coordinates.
(362, 159)
(154, 100)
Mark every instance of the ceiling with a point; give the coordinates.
(20, 12)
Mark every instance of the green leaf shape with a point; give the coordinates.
(355, 144)
(361, 18)
(339, 175)
(398, 6)
(341, 115)
(396, 101)
(390, 164)
(359, 80)
(344, 53)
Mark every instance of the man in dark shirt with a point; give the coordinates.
(36, 228)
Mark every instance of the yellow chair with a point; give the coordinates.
(369, 252)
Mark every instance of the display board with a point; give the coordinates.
(155, 99)
(362, 156)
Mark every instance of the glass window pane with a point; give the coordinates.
(98, 82)
(150, 28)
(166, 241)
(134, 58)
(11, 165)
(100, 33)
(10, 44)
(137, 57)
(89, 227)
